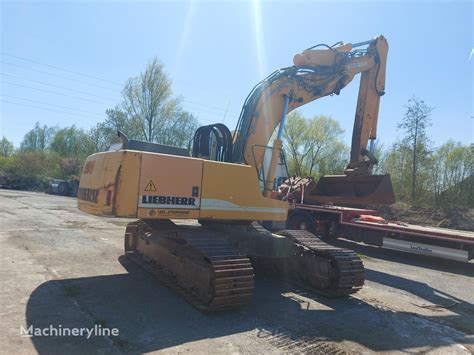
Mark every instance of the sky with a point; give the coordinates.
(65, 63)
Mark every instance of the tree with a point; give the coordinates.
(378, 152)
(149, 111)
(179, 130)
(104, 134)
(295, 141)
(37, 139)
(397, 163)
(314, 145)
(69, 166)
(453, 166)
(323, 141)
(414, 123)
(70, 142)
(27, 170)
(6, 147)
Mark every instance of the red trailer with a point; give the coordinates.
(367, 226)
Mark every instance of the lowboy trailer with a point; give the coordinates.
(363, 225)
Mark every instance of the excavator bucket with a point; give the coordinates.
(353, 190)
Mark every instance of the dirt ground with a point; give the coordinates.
(461, 218)
(62, 267)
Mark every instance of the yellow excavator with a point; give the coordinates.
(196, 207)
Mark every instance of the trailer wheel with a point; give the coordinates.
(300, 221)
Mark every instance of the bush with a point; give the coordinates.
(27, 170)
(69, 167)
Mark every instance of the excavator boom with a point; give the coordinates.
(318, 73)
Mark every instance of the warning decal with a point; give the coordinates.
(150, 186)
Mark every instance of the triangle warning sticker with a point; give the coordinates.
(150, 186)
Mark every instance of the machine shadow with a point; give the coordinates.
(461, 310)
(150, 317)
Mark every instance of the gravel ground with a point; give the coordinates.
(64, 268)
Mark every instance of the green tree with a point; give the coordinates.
(314, 146)
(179, 131)
(379, 154)
(397, 163)
(117, 120)
(414, 123)
(333, 160)
(70, 142)
(453, 166)
(6, 147)
(27, 170)
(149, 111)
(38, 139)
(324, 141)
(296, 142)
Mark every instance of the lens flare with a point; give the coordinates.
(265, 110)
(185, 34)
(259, 39)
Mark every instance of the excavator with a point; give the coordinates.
(195, 210)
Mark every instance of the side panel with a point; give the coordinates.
(170, 186)
(231, 191)
(109, 184)
(126, 189)
(158, 186)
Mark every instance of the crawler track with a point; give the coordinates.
(343, 273)
(205, 270)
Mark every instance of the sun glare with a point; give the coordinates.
(185, 34)
(259, 39)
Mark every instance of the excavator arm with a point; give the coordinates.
(316, 73)
(372, 86)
